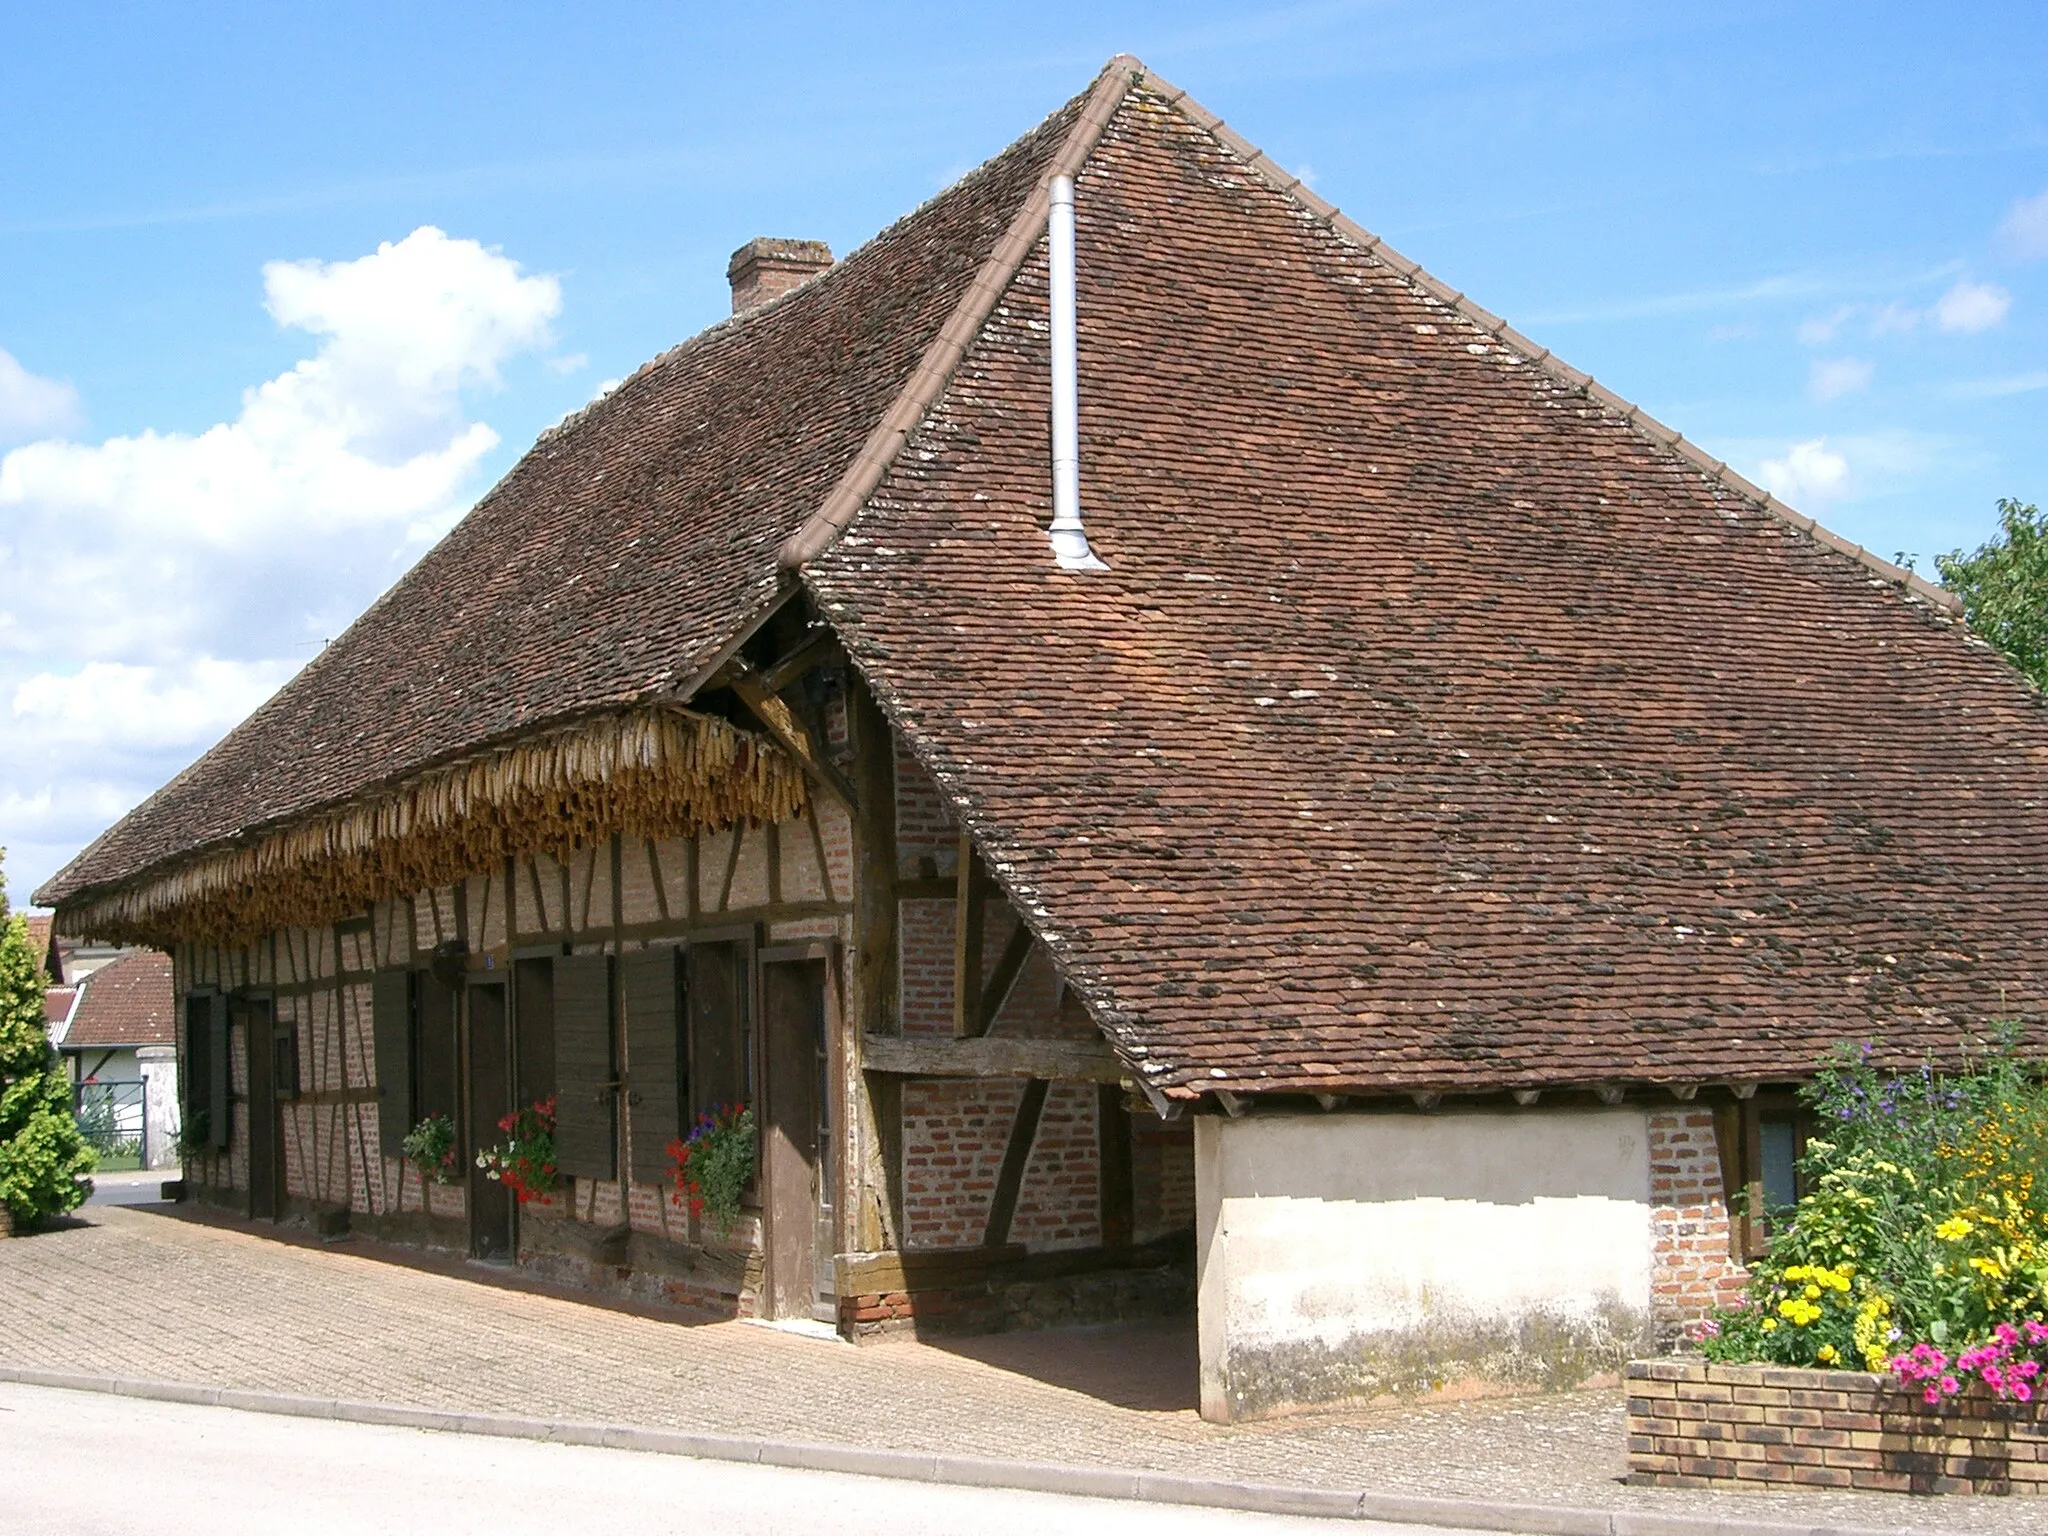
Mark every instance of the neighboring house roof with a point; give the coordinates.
(126, 1003)
(1440, 723)
(57, 1005)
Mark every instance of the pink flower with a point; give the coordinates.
(1950, 1385)
(1932, 1394)
(2022, 1391)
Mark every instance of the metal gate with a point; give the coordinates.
(114, 1118)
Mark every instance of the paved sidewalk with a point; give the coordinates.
(144, 1292)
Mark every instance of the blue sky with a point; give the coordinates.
(1814, 238)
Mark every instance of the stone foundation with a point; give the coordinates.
(1692, 1424)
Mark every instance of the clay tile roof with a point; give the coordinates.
(126, 1002)
(1440, 721)
(617, 559)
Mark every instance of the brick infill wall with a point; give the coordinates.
(1692, 1424)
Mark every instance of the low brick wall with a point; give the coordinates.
(1692, 1424)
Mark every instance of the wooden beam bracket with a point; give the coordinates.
(790, 733)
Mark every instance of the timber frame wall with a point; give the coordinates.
(990, 1167)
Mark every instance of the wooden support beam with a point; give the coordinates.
(1073, 1061)
(1527, 1096)
(821, 646)
(1002, 1206)
(1233, 1106)
(1003, 978)
(1608, 1093)
(789, 731)
(874, 1013)
(969, 905)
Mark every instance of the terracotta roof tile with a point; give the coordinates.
(1437, 724)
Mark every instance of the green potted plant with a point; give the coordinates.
(430, 1147)
(525, 1161)
(714, 1164)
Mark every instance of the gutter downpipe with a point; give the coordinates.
(1069, 539)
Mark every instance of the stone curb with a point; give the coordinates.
(962, 1471)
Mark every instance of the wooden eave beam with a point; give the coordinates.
(1068, 1061)
(790, 733)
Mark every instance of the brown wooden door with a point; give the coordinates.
(794, 1133)
(266, 1160)
(489, 1100)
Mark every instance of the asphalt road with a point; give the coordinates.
(84, 1462)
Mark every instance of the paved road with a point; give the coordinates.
(148, 1292)
(108, 1463)
(133, 1187)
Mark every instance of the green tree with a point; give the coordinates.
(43, 1159)
(2004, 587)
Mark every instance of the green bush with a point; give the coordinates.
(43, 1159)
(1925, 1223)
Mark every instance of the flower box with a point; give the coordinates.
(1695, 1424)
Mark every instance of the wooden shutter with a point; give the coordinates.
(719, 1037)
(533, 1000)
(648, 986)
(219, 1096)
(391, 1024)
(196, 1076)
(586, 1101)
(435, 1090)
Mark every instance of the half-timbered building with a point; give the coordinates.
(1376, 873)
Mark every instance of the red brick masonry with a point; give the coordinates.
(1692, 1425)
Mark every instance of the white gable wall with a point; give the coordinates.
(1346, 1255)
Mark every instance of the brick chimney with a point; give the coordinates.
(766, 269)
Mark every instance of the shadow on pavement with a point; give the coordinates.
(1150, 1367)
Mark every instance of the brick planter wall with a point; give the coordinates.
(1692, 1424)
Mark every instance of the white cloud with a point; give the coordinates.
(33, 406)
(179, 578)
(1819, 330)
(107, 704)
(1971, 307)
(1895, 319)
(2025, 230)
(1832, 377)
(1991, 389)
(1809, 473)
(575, 362)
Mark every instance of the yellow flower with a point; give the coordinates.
(1954, 1230)
(1770, 1325)
(1826, 1354)
(1813, 1293)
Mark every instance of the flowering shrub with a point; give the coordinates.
(714, 1163)
(2009, 1365)
(525, 1161)
(430, 1147)
(1921, 1246)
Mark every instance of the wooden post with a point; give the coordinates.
(874, 1009)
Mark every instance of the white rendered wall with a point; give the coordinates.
(1347, 1255)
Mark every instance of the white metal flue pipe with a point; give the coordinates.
(1069, 539)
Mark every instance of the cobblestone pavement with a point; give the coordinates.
(140, 1291)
